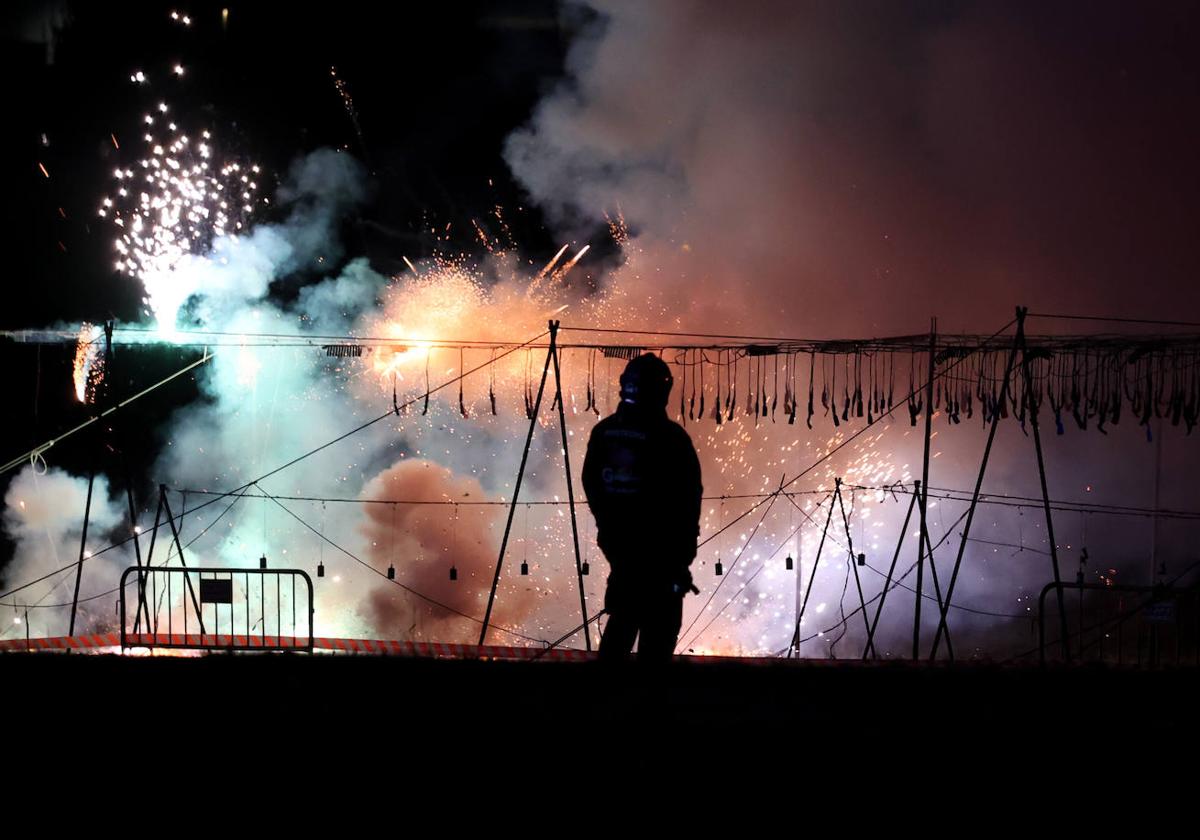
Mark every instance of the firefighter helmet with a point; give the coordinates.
(646, 381)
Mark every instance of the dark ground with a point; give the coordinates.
(341, 745)
(329, 704)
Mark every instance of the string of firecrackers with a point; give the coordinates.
(100, 641)
(1091, 381)
(1088, 380)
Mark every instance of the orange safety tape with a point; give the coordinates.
(391, 647)
(96, 641)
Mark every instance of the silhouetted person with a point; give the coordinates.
(642, 480)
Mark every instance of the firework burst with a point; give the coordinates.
(176, 201)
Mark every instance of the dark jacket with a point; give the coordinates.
(642, 480)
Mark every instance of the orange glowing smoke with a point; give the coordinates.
(448, 304)
(423, 542)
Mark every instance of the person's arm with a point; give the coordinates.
(592, 490)
(688, 496)
(688, 489)
(593, 486)
(695, 489)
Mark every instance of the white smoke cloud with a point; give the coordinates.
(43, 517)
(319, 190)
(870, 165)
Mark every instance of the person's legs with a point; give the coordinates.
(619, 635)
(661, 620)
(621, 630)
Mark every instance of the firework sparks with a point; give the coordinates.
(617, 227)
(87, 370)
(566, 269)
(553, 262)
(535, 285)
(348, 103)
(175, 202)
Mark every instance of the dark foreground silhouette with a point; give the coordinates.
(642, 480)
